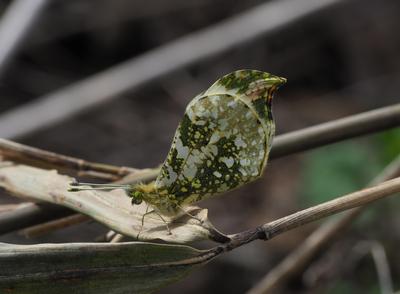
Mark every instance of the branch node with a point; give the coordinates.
(262, 233)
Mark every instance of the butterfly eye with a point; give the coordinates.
(136, 201)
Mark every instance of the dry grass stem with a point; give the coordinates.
(324, 235)
(54, 225)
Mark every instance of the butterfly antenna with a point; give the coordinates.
(79, 186)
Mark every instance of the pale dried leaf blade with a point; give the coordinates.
(133, 267)
(110, 208)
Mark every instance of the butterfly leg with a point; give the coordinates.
(190, 215)
(166, 223)
(149, 212)
(143, 216)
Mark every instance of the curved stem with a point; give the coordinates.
(303, 217)
(337, 130)
(38, 157)
(297, 260)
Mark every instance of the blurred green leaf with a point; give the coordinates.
(388, 144)
(342, 287)
(337, 169)
(133, 267)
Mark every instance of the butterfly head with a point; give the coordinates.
(137, 197)
(142, 192)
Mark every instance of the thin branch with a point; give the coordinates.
(349, 201)
(379, 257)
(8, 207)
(301, 140)
(337, 130)
(283, 145)
(57, 106)
(106, 237)
(117, 238)
(45, 228)
(15, 25)
(324, 235)
(303, 217)
(339, 261)
(295, 220)
(41, 158)
(382, 268)
(65, 22)
(110, 235)
(30, 214)
(113, 208)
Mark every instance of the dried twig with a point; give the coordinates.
(30, 214)
(123, 217)
(54, 225)
(110, 235)
(66, 23)
(117, 238)
(8, 207)
(113, 208)
(349, 201)
(379, 257)
(289, 143)
(298, 219)
(52, 108)
(41, 158)
(337, 130)
(283, 145)
(324, 235)
(340, 260)
(15, 25)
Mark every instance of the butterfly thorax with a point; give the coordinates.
(157, 198)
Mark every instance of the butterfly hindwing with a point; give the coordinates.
(219, 145)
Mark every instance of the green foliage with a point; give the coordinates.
(347, 287)
(388, 144)
(345, 167)
(336, 170)
(342, 287)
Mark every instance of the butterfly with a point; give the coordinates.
(221, 143)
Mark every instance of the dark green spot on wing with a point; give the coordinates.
(241, 79)
(194, 136)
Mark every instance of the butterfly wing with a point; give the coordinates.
(219, 145)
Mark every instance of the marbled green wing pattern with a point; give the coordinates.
(220, 144)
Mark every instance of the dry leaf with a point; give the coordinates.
(113, 209)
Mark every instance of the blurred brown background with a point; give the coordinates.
(338, 61)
